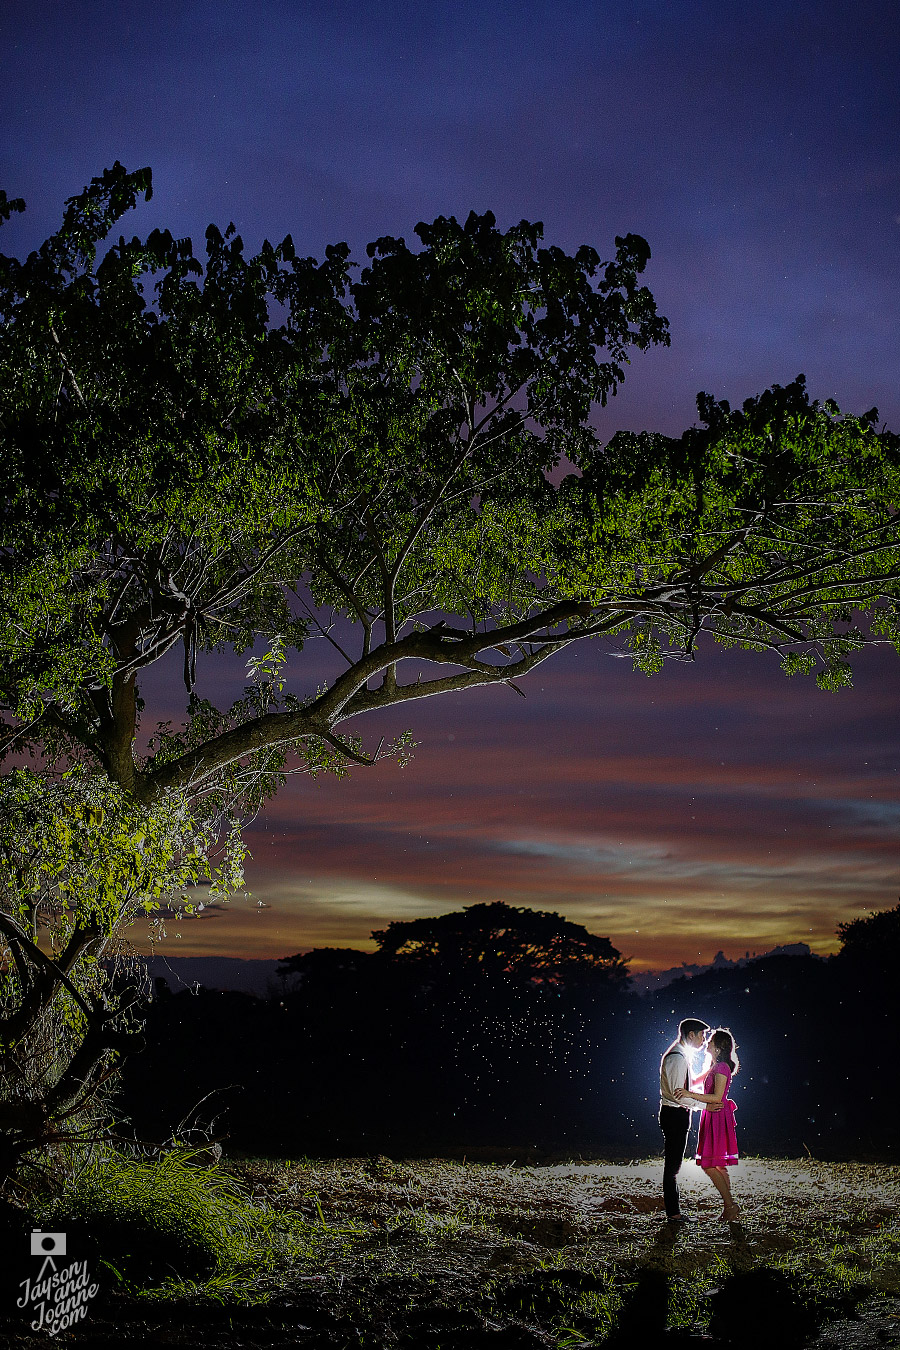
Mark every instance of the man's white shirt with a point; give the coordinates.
(674, 1073)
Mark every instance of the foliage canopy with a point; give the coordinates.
(219, 454)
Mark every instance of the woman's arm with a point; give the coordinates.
(710, 1098)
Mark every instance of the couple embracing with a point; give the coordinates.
(716, 1139)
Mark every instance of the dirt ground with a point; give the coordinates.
(441, 1255)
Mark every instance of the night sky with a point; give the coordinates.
(757, 148)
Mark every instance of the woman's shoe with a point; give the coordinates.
(731, 1213)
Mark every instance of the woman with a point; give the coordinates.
(717, 1140)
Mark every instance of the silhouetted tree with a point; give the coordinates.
(323, 968)
(873, 941)
(372, 1052)
(499, 939)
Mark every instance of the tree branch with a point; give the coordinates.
(277, 729)
(52, 973)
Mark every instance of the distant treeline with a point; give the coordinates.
(505, 1029)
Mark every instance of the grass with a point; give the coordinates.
(444, 1253)
(168, 1229)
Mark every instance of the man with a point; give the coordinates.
(674, 1117)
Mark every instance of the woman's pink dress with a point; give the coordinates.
(717, 1140)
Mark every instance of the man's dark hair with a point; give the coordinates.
(689, 1026)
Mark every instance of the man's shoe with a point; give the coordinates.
(682, 1218)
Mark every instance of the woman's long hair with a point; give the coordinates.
(725, 1049)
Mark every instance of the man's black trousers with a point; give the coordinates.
(674, 1121)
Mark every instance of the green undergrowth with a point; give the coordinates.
(168, 1228)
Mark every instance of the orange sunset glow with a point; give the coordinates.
(717, 805)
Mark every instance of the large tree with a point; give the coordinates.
(496, 941)
(246, 452)
(183, 468)
(210, 455)
(485, 941)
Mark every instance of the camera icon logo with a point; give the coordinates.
(47, 1244)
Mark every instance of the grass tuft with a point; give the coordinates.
(168, 1228)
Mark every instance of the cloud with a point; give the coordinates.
(650, 861)
(871, 817)
(720, 806)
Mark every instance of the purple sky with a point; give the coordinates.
(757, 148)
